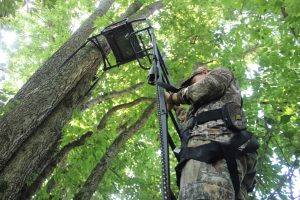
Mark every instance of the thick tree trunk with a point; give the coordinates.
(45, 89)
(91, 184)
(25, 162)
(27, 192)
(51, 66)
(30, 131)
(30, 190)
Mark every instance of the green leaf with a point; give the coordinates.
(285, 119)
(289, 134)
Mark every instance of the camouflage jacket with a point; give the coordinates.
(218, 88)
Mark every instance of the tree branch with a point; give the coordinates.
(281, 151)
(133, 8)
(270, 135)
(110, 95)
(285, 15)
(105, 118)
(97, 173)
(251, 50)
(283, 179)
(147, 10)
(29, 191)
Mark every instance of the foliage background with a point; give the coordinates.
(257, 39)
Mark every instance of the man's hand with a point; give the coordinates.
(168, 97)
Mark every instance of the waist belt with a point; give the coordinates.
(212, 152)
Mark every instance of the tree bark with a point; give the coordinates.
(51, 66)
(35, 149)
(46, 88)
(147, 10)
(97, 173)
(31, 131)
(27, 192)
(135, 6)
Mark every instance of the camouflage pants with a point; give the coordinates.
(200, 180)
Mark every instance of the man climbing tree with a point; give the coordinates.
(55, 138)
(217, 158)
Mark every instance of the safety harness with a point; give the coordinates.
(242, 142)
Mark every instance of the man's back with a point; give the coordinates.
(209, 95)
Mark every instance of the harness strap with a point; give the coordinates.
(207, 116)
(214, 151)
(230, 157)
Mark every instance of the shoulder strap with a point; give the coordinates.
(168, 87)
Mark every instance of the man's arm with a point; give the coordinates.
(180, 111)
(211, 87)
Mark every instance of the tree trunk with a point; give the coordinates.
(30, 131)
(46, 88)
(147, 10)
(31, 189)
(98, 172)
(29, 156)
(28, 192)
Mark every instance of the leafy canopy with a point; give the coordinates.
(257, 39)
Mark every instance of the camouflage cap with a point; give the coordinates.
(199, 68)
